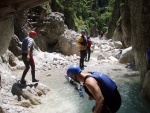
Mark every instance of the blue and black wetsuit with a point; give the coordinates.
(109, 90)
(28, 43)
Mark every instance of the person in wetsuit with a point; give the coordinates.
(82, 43)
(99, 87)
(101, 35)
(27, 56)
(89, 42)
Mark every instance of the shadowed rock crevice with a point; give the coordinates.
(30, 92)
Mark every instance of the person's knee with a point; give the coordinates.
(27, 68)
(32, 69)
(32, 66)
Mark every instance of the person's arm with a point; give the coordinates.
(30, 43)
(28, 54)
(79, 40)
(94, 89)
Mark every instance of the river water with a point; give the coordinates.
(64, 98)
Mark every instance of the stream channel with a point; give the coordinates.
(64, 98)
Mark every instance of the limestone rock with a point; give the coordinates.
(6, 30)
(67, 43)
(29, 91)
(15, 46)
(25, 103)
(127, 56)
(118, 44)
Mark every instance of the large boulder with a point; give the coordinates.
(42, 43)
(50, 32)
(55, 28)
(9, 58)
(127, 56)
(15, 46)
(118, 44)
(67, 43)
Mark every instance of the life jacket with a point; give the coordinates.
(89, 43)
(84, 43)
(25, 45)
(107, 86)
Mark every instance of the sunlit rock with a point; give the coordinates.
(118, 44)
(127, 56)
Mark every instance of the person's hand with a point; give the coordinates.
(28, 57)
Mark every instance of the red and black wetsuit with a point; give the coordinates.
(28, 43)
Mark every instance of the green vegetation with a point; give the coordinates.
(86, 14)
(46, 6)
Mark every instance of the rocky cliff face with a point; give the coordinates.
(132, 27)
(115, 17)
(140, 15)
(120, 26)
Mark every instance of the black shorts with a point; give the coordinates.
(114, 103)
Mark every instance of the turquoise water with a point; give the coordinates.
(132, 101)
(64, 98)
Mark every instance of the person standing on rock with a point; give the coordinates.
(99, 87)
(89, 42)
(27, 56)
(82, 43)
(101, 35)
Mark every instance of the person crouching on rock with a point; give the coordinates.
(99, 87)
